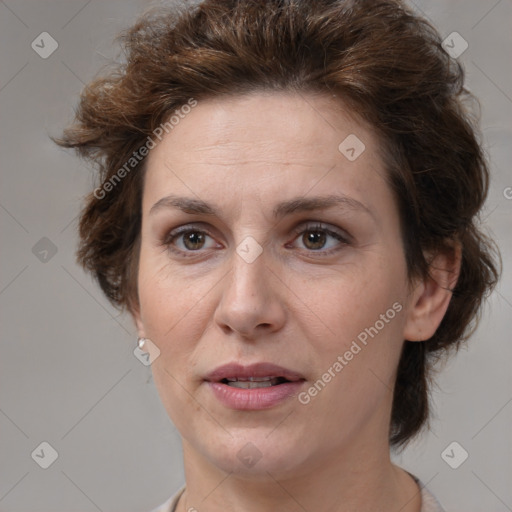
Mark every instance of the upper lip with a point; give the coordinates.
(238, 371)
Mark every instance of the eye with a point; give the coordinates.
(188, 239)
(319, 238)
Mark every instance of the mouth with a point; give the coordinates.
(254, 387)
(258, 375)
(254, 382)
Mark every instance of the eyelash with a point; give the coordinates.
(317, 227)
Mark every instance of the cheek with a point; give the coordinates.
(169, 309)
(346, 302)
(163, 305)
(173, 307)
(358, 315)
(355, 359)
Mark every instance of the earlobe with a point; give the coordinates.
(431, 296)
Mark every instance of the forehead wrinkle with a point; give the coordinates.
(248, 162)
(213, 154)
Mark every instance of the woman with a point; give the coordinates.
(287, 208)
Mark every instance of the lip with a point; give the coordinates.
(256, 398)
(235, 370)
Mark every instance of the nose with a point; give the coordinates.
(251, 304)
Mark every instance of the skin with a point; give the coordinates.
(296, 305)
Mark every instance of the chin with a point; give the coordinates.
(254, 453)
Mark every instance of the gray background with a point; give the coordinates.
(68, 375)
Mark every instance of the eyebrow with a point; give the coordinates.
(298, 204)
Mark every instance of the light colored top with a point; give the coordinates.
(428, 502)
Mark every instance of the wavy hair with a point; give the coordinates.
(384, 61)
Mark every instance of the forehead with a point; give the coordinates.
(273, 120)
(261, 145)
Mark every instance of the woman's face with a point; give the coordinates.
(240, 264)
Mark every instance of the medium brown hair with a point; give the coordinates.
(386, 63)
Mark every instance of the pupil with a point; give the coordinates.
(315, 238)
(194, 240)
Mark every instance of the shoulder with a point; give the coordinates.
(171, 503)
(429, 502)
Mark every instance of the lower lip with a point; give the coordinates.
(254, 399)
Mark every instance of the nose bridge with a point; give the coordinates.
(249, 272)
(249, 298)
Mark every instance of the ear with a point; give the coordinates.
(135, 314)
(431, 296)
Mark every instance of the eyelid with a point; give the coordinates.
(321, 226)
(175, 233)
(342, 236)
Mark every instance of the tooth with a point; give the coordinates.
(252, 384)
(251, 379)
